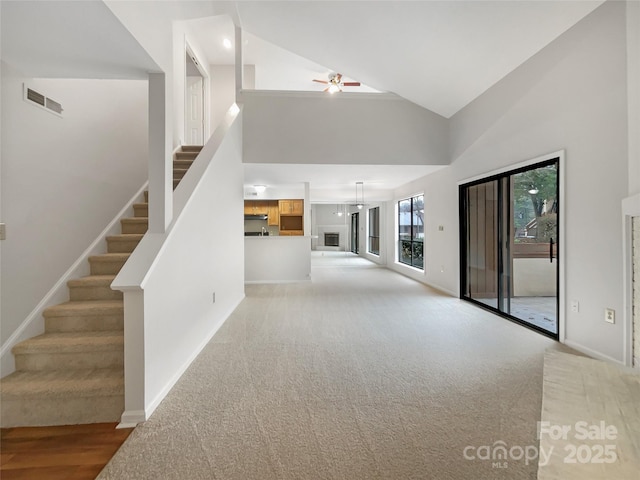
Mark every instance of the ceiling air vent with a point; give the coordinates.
(40, 100)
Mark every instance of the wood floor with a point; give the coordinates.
(73, 452)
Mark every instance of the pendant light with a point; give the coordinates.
(360, 204)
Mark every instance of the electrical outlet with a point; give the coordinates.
(214, 297)
(575, 306)
(441, 228)
(609, 315)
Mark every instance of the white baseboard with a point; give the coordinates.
(592, 353)
(268, 282)
(33, 324)
(131, 418)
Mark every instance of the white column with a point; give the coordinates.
(307, 209)
(239, 65)
(160, 165)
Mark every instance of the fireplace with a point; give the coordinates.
(331, 239)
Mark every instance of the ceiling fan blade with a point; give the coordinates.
(326, 89)
(321, 81)
(351, 84)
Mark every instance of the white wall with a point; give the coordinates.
(572, 95)
(277, 259)
(313, 127)
(178, 272)
(63, 179)
(633, 87)
(223, 89)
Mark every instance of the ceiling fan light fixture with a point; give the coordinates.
(533, 190)
(333, 88)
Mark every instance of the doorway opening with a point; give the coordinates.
(195, 97)
(509, 234)
(355, 235)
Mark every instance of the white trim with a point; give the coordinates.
(131, 419)
(630, 209)
(592, 353)
(33, 324)
(264, 282)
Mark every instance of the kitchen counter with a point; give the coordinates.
(277, 259)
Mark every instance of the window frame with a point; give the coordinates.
(373, 233)
(401, 251)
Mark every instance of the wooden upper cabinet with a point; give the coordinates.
(256, 207)
(273, 215)
(291, 207)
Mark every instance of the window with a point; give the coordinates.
(411, 231)
(374, 231)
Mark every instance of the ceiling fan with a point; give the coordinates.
(335, 83)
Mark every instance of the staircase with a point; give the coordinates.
(74, 372)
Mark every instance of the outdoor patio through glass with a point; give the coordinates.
(411, 231)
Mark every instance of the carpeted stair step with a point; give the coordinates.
(182, 163)
(178, 173)
(67, 397)
(93, 287)
(85, 316)
(107, 263)
(125, 243)
(71, 350)
(191, 148)
(135, 224)
(141, 209)
(175, 183)
(186, 155)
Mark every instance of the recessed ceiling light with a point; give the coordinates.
(227, 43)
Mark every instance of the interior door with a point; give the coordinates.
(509, 244)
(194, 114)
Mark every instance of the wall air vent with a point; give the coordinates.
(38, 99)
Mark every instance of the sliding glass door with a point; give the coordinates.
(508, 244)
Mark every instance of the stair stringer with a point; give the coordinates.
(33, 324)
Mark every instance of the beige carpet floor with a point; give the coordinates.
(359, 374)
(592, 414)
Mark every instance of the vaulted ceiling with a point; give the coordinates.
(438, 54)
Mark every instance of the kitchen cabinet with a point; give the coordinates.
(273, 213)
(291, 217)
(255, 207)
(291, 207)
(291, 233)
(291, 225)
